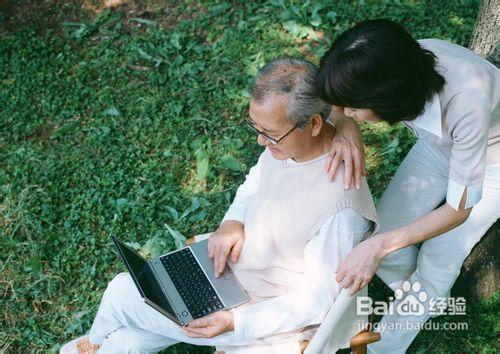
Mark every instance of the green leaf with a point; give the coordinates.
(202, 169)
(299, 31)
(219, 8)
(112, 111)
(154, 247)
(136, 246)
(143, 21)
(331, 15)
(121, 203)
(198, 216)
(230, 162)
(177, 236)
(173, 212)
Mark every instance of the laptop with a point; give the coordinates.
(181, 284)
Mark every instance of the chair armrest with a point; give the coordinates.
(364, 338)
(197, 238)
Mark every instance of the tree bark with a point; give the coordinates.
(480, 274)
(486, 35)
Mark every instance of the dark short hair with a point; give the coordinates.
(295, 78)
(378, 65)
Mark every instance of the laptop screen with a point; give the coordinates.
(143, 277)
(135, 262)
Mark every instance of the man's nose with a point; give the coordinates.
(261, 140)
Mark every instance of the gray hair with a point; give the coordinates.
(295, 78)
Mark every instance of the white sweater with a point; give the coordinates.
(307, 304)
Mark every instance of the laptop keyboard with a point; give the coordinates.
(191, 283)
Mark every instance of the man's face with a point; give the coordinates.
(269, 118)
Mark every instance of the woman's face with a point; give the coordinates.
(361, 114)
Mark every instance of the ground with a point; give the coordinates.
(125, 118)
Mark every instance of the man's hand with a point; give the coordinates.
(360, 265)
(229, 237)
(347, 146)
(210, 326)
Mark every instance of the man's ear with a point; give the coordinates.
(316, 124)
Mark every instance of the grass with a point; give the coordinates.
(126, 121)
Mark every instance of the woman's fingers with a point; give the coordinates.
(356, 286)
(340, 275)
(347, 156)
(328, 162)
(358, 168)
(363, 164)
(334, 165)
(346, 282)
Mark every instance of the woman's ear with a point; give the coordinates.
(349, 112)
(316, 124)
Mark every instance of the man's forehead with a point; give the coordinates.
(271, 106)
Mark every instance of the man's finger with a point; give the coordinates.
(216, 260)
(199, 323)
(235, 253)
(193, 335)
(197, 332)
(222, 259)
(210, 249)
(347, 168)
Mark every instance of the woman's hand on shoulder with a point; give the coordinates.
(348, 147)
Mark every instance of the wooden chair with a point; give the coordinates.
(357, 344)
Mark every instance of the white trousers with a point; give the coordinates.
(126, 324)
(417, 188)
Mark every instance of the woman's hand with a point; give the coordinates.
(360, 265)
(347, 146)
(211, 325)
(229, 238)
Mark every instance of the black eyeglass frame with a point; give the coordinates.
(273, 141)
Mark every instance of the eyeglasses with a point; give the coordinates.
(272, 140)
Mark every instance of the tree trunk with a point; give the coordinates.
(486, 35)
(480, 274)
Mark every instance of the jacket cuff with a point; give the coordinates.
(239, 330)
(234, 214)
(456, 190)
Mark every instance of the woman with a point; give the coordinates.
(449, 97)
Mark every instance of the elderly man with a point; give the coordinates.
(286, 231)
